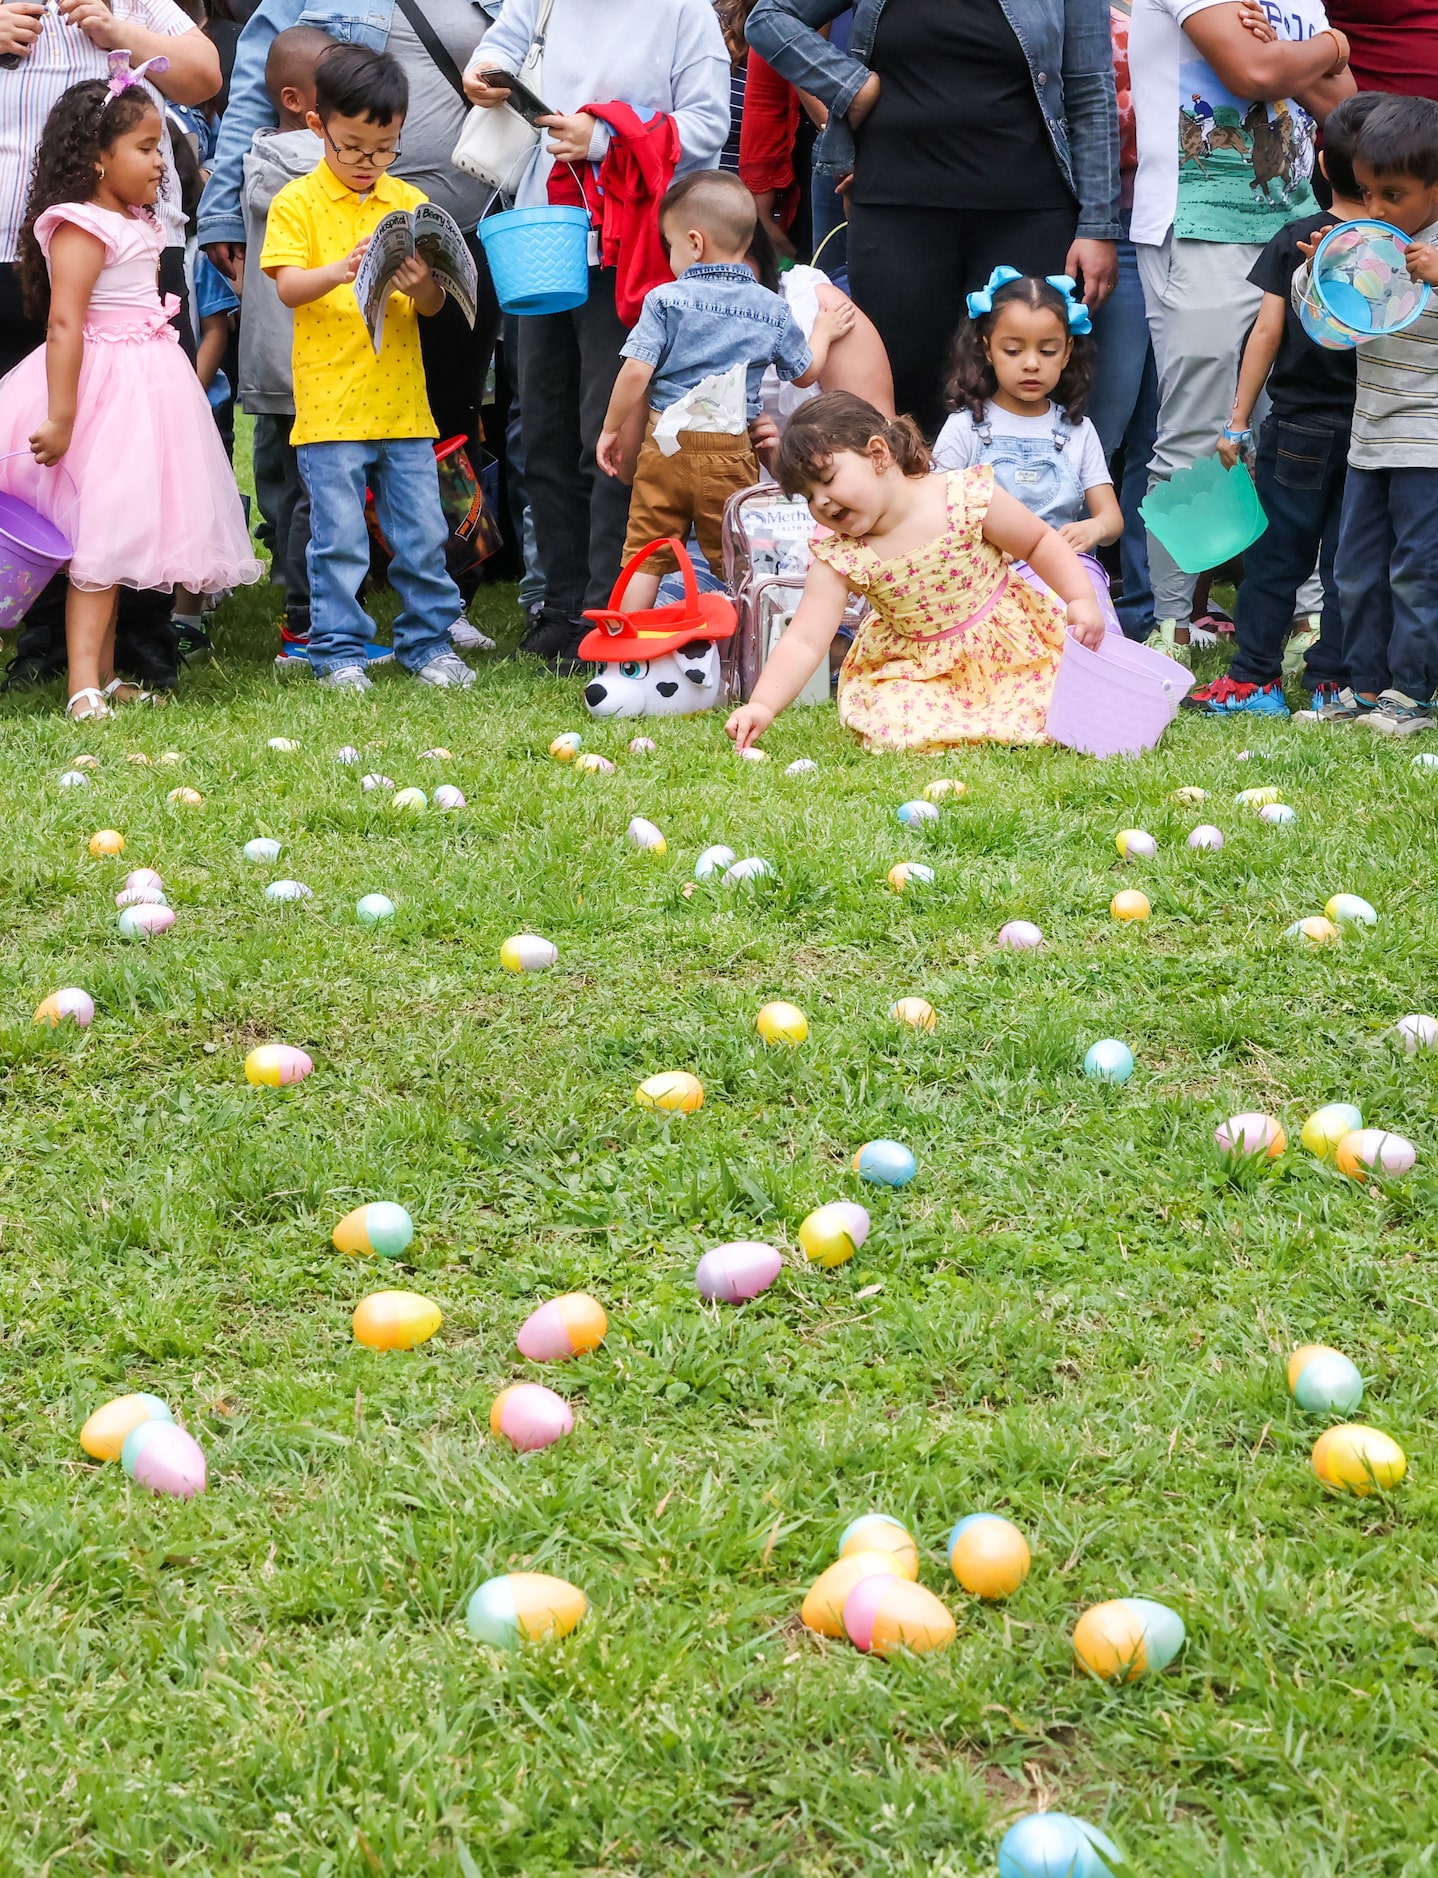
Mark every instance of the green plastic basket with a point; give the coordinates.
(1205, 515)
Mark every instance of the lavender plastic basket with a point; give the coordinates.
(1116, 701)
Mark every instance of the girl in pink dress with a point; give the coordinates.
(130, 464)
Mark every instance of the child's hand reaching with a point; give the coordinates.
(1422, 259)
(50, 442)
(1309, 247)
(749, 722)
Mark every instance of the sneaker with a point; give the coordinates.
(192, 642)
(346, 678)
(1398, 715)
(1162, 639)
(28, 674)
(1227, 698)
(550, 636)
(1332, 704)
(466, 638)
(293, 657)
(448, 672)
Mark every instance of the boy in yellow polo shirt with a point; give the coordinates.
(362, 419)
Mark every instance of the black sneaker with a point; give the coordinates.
(30, 675)
(552, 636)
(192, 642)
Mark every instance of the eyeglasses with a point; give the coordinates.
(351, 153)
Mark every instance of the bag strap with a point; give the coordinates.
(436, 48)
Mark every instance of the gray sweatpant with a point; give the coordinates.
(1200, 303)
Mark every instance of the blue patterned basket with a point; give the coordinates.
(539, 258)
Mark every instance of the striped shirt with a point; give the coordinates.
(59, 58)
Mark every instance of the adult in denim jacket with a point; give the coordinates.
(972, 133)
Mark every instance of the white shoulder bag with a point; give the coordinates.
(496, 144)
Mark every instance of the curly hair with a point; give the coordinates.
(838, 420)
(972, 380)
(83, 125)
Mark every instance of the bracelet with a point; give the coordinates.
(1236, 436)
(1340, 46)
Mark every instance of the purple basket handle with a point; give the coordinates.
(75, 496)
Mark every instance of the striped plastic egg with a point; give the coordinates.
(1350, 909)
(105, 1432)
(1127, 1638)
(945, 786)
(752, 867)
(1261, 798)
(1277, 814)
(1055, 1845)
(271, 1065)
(381, 1226)
(143, 922)
(801, 766)
(1372, 1151)
(185, 798)
(74, 779)
(524, 1607)
(737, 1272)
(1206, 836)
(1324, 1381)
(642, 746)
(878, 1532)
(564, 1327)
(917, 1013)
(885, 1164)
(375, 781)
(988, 1554)
(527, 952)
(72, 1003)
(1359, 1460)
(165, 1459)
(410, 802)
(1314, 931)
(283, 744)
(823, 1606)
(438, 754)
(889, 1615)
(1251, 1133)
(348, 754)
(832, 1234)
(396, 1320)
(529, 1416)
(281, 892)
(674, 1090)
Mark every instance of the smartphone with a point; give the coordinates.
(521, 97)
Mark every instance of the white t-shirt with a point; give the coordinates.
(958, 447)
(1213, 167)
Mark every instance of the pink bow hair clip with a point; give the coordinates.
(122, 76)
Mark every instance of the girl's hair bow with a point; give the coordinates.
(1078, 314)
(983, 300)
(122, 75)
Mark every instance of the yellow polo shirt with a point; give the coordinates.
(345, 392)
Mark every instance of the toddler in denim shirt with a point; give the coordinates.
(713, 320)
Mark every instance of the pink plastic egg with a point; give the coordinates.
(530, 1416)
(143, 877)
(1251, 1133)
(1020, 935)
(170, 1462)
(734, 1273)
(565, 1327)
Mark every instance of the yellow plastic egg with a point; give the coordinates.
(395, 1320)
(104, 1433)
(186, 798)
(917, 1013)
(106, 841)
(673, 1089)
(945, 786)
(1327, 1126)
(782, 1023)
(823, 1609)
(877, 1532)
(1130, 905)
(989, 1555)
(1353, 1458)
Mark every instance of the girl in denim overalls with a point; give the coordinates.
(1022, 371)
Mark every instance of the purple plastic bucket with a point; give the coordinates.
(1116, 701)
(32, 552)
(1097, 573)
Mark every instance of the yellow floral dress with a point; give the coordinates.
(959, 647)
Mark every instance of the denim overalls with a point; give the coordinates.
(1041, 473)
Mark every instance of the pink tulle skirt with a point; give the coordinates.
(149, 499)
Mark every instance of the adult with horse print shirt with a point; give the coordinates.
(1226, 124)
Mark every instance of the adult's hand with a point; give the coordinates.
(488, 97)
(1097, 263)
(865, 100)
(229, 258)
(95, 20)
(569, 137)
(19, 27)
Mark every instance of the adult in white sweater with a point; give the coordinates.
(653, 55)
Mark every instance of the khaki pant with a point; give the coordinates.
(672, 492)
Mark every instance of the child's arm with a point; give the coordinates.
(75, 262)
(300, 286)
(801, 650)
(1010, 526)
(831, 323)
(416, 278)
(210, 354)
(1104, 524)
(1258, 357)
(629, 388)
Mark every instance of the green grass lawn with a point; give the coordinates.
(1073, 1316)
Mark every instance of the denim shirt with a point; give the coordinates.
(714, 317)
(1070, 56)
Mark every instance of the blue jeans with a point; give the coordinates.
(1124, 409)
(1300, 470)
(401, 472)
(1388, 580)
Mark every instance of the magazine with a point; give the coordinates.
(434, 235)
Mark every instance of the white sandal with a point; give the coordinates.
(96, 701)
(117, 685)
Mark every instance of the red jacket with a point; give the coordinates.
(623, 196)
(766, 136)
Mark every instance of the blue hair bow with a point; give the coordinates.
(983, 300)
(1078, 314)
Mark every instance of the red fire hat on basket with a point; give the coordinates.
(652, 631)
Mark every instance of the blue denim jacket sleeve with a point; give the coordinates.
(221, 216)
(1090, 110)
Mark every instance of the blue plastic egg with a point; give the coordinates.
(885, 1164)
(1055, 1845)
(1108, 1061)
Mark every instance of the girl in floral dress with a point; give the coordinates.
(958, 648)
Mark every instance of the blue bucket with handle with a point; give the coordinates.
(538, 258)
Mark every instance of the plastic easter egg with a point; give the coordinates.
(1020, 935)
(410, 802)
(1130, 905)
(1277, 814)
(529, 1416)
(1135, 844)
(1250, 1133)
(989, 1555)
(1372, 1151)
(644, 834)
(272, 1065)
(282, 891)
(374, 907)
(1127, 1638)
(141, 896)
(801, 766)
(1258, 798)
(1327, 1126)
(778, 1022)
(162, 1457)
(106, 841)
(143, 877)
(1350, 909)
(832, 1234)
(527, 952)
(168, 758)
(524, 1607)
(74, 779)
(823, 1608)
(1324, 1381)
(185, 798)
(262, 850)
(72, 1003)
(890, 1615)
(915, 814)
(1190, 795)
(104, 1434)
(1415, 1032)
(878, 1532)
(750, 868)
(1353, 1458)
(347, 754)
(909, 874)
(383, 1226)
(1426, 760)
(144, 922)
(642, 746)
(737, 1272)
(885, 1164)
(375, 781)
(564, 1327)
(1206, 836)
(565, 748)
(917, 1013)
(1314, 931)
(449, 798)
(139, 758)
(674, 1090)
(1055, 1845)
(593, 764)
(1109, 1060)
(944, 787)
(438, 754)
(753, 755)
(395, 1320)
(283, 744)
(714, 861)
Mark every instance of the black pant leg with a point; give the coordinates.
(905, 269)
(456, 360)
(601, 334)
